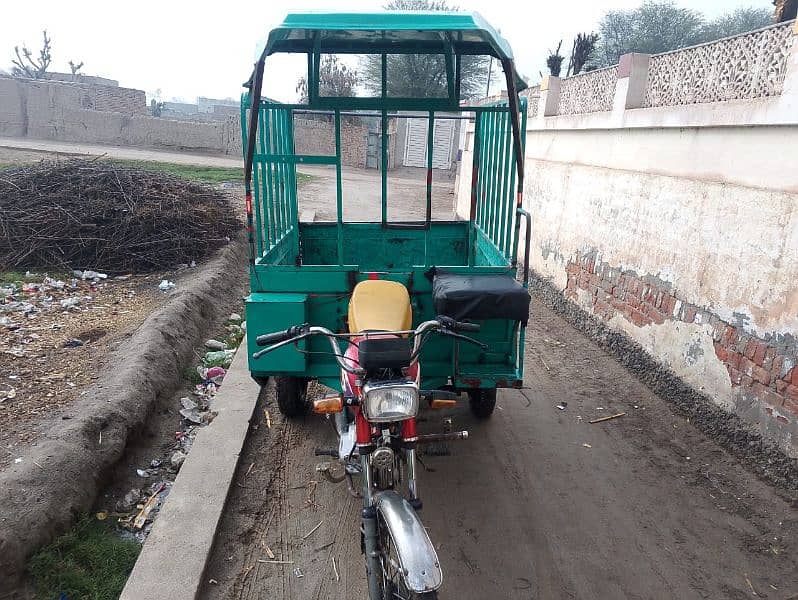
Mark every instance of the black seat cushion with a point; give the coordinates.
(480, 297)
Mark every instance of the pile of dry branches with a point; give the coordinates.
(90, 214)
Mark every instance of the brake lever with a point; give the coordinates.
(465, 338)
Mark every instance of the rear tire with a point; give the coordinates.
(483, 402)
(292, 394)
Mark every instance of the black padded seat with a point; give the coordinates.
(480, 297)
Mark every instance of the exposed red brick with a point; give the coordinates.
(729, 336)
(765, 394)
(792, 376)
(638, 318)
(750, 348)
(734, 375)
(791, 393)
(655, 316)
(584, 276)
(668, 304)
(770, 356)
(791, 400)
(761, 374)
(572, 268)
(721, 352)
(570, 284)
(746, 382)
(733, 359)
(775, 367)
(759, 354)
(746, 366)
(689, 314)
(781, 386)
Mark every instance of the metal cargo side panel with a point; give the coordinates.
(272, 312)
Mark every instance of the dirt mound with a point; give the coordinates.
(90, 214)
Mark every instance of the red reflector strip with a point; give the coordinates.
(249, 203)
(373, 275)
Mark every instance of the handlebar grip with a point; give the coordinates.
(267, 339)
(452, 325)
(461, 326)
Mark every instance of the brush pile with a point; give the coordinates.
(92, 214)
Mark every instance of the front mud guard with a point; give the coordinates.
(414, 549)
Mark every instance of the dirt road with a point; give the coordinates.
(536, 504)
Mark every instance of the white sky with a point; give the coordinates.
(187, 51)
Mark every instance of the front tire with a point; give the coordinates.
(292, 395)
(483, 402)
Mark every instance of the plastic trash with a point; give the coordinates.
(166, 285)
(215, 345)
(70, 302)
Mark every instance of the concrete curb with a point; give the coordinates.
(172, 562)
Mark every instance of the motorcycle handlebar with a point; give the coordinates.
(452, 325)
(267, 339)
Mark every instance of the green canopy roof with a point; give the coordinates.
(389, 32)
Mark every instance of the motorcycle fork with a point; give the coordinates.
(370, 533)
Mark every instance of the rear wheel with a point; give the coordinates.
(483, 402)
(292, 395)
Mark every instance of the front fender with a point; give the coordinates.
(414, 549)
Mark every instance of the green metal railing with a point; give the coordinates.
(493, 186)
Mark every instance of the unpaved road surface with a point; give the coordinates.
(536, 504)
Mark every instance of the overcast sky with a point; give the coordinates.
(186, 50)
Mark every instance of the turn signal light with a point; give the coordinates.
(329, 405)
(441, 403)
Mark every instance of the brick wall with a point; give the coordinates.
(761, 368)
(317, 137)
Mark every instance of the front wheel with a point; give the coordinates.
(292, 394)
(483, 402)
(393, 584)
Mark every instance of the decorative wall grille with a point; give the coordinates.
(751, 65)
(588, 92)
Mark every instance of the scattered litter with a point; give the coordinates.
(101, 516)
(544, 363)
(235, 317)
(73, 343)
(17, 460)
(129, 501)
(93, 275)
(278, 562)
(70, 302)
(298, 572)
(192, 415)
(602, 419)
(218, 358)
(166, 285)
(562, 405)
(151, 502)
(268, 551)
(155, 463)
(7, 395)
(249, 470)
(215, 345)
(177, 459)
(335, 570)
(586, 445)
(142, 473)
(268, 418)
(213, 582)
(312, 531)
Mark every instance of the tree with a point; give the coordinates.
(26, 66)
(661, 26)
(739, 21)
(75, 67)
(581, 53)
(335, 79)
(554, 61)
(423, 75)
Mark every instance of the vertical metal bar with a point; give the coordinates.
(268, 177)
(430, 153)
(430, 156)
(521, 145)
(384, 167)
(279, 179)
(292, 186)
(450, 86)
(472, 215)
(490, 187)
(254, 97)
(262, 193)
(384, 142)
(482, 124)
(503, 171)
(339, 205)
(457, 77)
(285, 202)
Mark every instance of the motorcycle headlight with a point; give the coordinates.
(386, 401)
